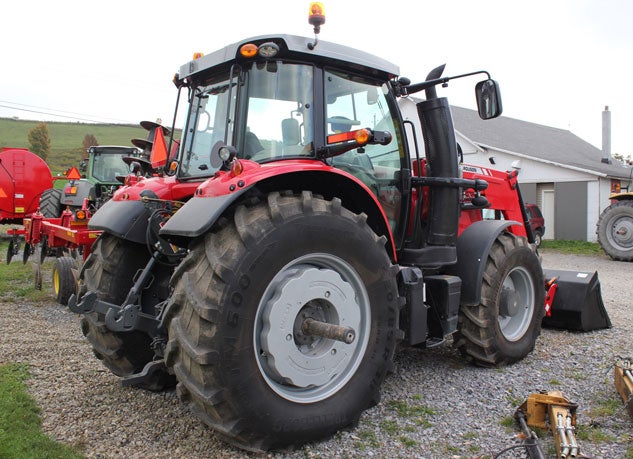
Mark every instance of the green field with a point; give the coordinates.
(67, 138)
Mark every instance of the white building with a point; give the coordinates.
(559, 171)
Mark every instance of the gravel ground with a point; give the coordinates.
(433, 405)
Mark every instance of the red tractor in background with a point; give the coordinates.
(298, 237)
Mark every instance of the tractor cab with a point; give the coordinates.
(98, 179)
(297, 105)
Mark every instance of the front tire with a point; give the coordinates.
(615, 230)
(109, 271)
(504, 327)
(243, 363)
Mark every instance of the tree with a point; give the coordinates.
(39, 141)
(89, 141)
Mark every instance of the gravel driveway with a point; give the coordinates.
(433, 405)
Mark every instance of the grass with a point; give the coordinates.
(606, 407)
(418, 413)
(593, 434)
(20, 425)
(17, 280)
(67, 138)
(573, 247)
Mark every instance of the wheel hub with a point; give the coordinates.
(623, 232)
(292, 355)
(516, 305)
(509, 304)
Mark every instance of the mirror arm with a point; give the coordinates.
(413, 88)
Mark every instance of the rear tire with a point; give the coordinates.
(504, 327)
(109, 271)
(243, 365)
(50, 203)
(64, 280)
(615, 230)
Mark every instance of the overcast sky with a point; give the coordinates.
(558, 62)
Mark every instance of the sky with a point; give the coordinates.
(558, 62)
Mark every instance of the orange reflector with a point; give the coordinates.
(73, 173)
(248, 50)
(197, 55)
(80, 215)
(236, 167)
(158, 157)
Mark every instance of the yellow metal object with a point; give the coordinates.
(623, 378)
(553, 411)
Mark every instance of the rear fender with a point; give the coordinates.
(124, 219)
(210, 201)
(473, 247)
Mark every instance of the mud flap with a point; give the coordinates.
(577, 304)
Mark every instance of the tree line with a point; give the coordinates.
(40, 142)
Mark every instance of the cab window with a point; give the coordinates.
(352, 103)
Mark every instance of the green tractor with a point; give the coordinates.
(96, 182)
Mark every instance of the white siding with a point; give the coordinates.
(593, 208)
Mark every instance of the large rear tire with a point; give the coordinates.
(615, 230)
(109, 271)
(504, 327)
(50, 203)
(236, 344)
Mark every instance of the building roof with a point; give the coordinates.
(542, 143)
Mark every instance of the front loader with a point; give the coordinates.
(299, 237)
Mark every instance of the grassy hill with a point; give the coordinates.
(67, 138)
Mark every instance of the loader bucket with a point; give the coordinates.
(577, 304)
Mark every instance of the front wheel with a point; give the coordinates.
(241, 343)
(504, 327)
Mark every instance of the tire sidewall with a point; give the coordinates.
(302, 235)
(605, 223)
(521, 257)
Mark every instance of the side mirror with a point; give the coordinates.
(488, 99)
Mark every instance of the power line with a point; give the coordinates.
(81, 116)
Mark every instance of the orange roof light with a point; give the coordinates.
(248, 50)
(316, 15)
(197, 55)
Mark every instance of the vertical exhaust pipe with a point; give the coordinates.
(441, 157)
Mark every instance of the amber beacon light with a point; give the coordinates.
(316, 16)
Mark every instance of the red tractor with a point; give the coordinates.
(298, 238)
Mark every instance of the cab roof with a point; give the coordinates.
(296, 47)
